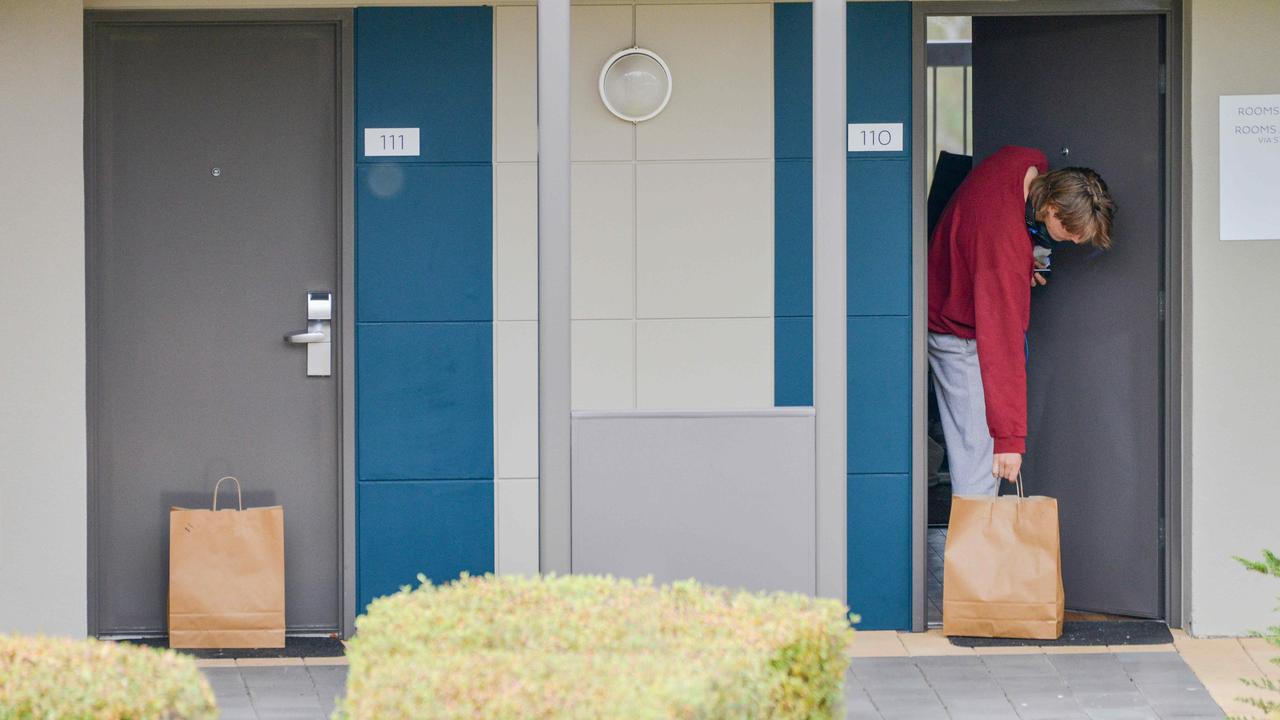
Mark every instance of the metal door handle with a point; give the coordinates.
(317, 337)
(304, 338)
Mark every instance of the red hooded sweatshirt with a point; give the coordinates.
(980, 266)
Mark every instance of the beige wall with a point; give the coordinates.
(673, 217)
(1235, 337)
(672, 231)
(515, 289)
(42, 370)
(1236, 404)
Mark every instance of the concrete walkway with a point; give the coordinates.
(280, 690)
(900, 675)
(1010, 687)
(1218, 663)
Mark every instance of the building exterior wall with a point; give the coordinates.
(43, 516)
(692, 281)
(1235, 496)
(672, 231)
(42, 420)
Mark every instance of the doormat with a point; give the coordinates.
(1090, 633)
(294, 647)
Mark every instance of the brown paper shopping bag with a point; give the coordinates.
(1003, 572)
(226, 576)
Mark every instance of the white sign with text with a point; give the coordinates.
(875, 137)
(1249, 167)
(401, 142)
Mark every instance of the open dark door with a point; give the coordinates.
(1086, 91)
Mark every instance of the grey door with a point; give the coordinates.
(1091, 85)
(214, 206)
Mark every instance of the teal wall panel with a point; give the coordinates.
(793, 361)
(425, 245)
(879, 387)
(438, 528)
(793, 205)
(879, 241)
(879, 560)
(429, 68)
(424, 309)
(793, 238)
(425, 400)
(879, 298)
(793, 81)
(878, 76)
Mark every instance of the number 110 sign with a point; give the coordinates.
(875, 137)
(391, 141)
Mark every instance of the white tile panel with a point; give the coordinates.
(604, 240)
(721, 60)
(599, 31)
(515, 232)
(515, 402)
(704, 239)
(603, 364)
(704, 364)
(516, 526)
(515, 84)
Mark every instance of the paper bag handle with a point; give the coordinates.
(1021, 494)
(239, 501)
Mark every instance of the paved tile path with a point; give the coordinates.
(278, 692)
(994, 687)
(1109, 686)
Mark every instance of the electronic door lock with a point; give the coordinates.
(317, 337)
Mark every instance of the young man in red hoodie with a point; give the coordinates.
(981, 270)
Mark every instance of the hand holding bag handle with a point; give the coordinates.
(239, 500)
(1002, 576)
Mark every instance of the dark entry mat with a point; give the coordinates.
(294, 647)
(1121, 632)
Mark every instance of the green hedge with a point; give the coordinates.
(595, 647)
(56, 678)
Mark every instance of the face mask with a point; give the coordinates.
(1037, 230)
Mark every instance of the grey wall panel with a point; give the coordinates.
(724, 497)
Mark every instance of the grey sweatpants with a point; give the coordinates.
(957, 382)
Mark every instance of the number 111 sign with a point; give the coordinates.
(875, 137)
(391, 141)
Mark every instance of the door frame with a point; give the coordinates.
(341, 22)
(1176, 307)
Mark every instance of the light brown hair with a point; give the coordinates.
(1081, 199)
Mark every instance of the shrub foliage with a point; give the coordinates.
(594, 647)
(59, 678)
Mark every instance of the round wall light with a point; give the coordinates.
(635, 84)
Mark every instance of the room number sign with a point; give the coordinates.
(402, 142)
(875, 137)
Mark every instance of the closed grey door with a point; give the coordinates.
(1091, 85)
(214, 207)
